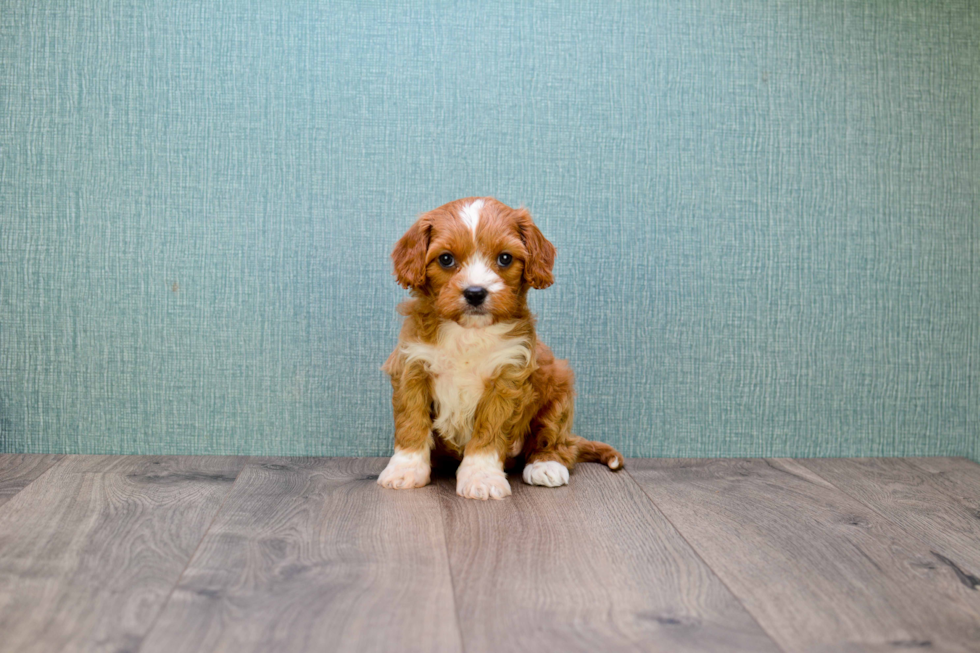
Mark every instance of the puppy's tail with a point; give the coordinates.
(598, 452)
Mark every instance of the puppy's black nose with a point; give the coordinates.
(475, 295)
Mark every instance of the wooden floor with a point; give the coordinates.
(170, 554)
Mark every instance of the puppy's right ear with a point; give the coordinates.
(409, 254)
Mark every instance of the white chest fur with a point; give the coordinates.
(460, 362)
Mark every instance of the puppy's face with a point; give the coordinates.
(476, 258)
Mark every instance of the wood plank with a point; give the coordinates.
(90, 551)
(17, 470)
(312, 555)
(817, 568)
(592, 566)
(906, 495)
(957, 477)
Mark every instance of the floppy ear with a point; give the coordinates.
(540, 253)
(409, 254)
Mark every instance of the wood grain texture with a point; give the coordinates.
(959, 478)
(312, 555)
(818, 569)
(17, 470)
(90, 551)
(592, 566)
(907, 496)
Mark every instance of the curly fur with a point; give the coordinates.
(475, 382)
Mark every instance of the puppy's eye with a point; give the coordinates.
(446, 260)
(504, 260)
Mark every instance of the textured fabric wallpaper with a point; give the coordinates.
(766, 215)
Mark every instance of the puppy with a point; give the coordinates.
(470, 377)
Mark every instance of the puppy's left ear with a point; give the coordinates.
(540, 252)
(409, 254)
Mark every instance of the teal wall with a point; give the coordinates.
(766, 215)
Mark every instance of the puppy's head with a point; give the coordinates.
(475, 258)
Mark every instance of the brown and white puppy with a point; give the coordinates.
(470, 377)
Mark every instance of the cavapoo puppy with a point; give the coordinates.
(470, 377)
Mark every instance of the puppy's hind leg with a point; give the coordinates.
(550, 449)
(556, 450)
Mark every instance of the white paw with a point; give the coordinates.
(549, 473)
(481, 476)
(406, 470)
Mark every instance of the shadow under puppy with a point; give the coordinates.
(470, 377)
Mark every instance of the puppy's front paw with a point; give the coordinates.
(481, 476)
(405, 470)
(549, 473)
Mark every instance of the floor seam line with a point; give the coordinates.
(190, 559)
(56, 463)
(912, 533)
(449, 567)
(697, 553)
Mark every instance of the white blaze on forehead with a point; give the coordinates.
(477, 272)
(470, 215)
